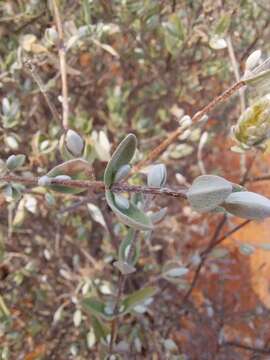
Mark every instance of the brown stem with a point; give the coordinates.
(98, 186)
(204, 254)
(246, 347)
(259, 178)
(63, 66)
(31, 69)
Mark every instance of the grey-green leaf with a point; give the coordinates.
(138, 297)
(248, 205)
(132, 216)
(122, 156)
(125, 246)
(124, 267)
(101, 330)
(96, 308)
(208, 191)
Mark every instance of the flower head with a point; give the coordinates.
(253, 126)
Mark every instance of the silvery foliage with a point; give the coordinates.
(127, 211)
(212, 193)
(207, 192)
(248, 205)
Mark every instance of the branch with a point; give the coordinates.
(98, 186)
(31, 69)
(259, 178)
(154, 154)
(246, 347)
(204, 254)
(236, 71)
(63, 66)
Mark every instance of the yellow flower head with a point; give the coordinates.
(253, 126)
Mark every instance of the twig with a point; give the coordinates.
(203, 256)
(236, 71)
(115, 322)
(259, 178)
(241, 93)
(63, 67)
(30, 67)
(155, 153)
(246, 347)
(169, 56)
(248, 169)
(210, 247)
(229, 233)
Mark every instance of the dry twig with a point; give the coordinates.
(63, 66)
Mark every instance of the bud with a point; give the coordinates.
(15, 161)
(62, 177)
(253, 59)
(74, 143)
(51, 36)
(44, 180)
(121, 202)
(258, 76)
(247, 205)
(253, 126)
(185, 122)
(157, 175)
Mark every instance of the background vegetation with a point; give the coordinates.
(132, 66)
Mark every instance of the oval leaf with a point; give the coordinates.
(122, 156)
(207, 192)
(96, 308)
(74, 143)
(15, 161)
(138, 297)
(124, 247)
(248, 205)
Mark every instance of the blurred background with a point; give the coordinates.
(133, 66)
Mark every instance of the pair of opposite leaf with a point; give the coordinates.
(117, 169)
(213, 193)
